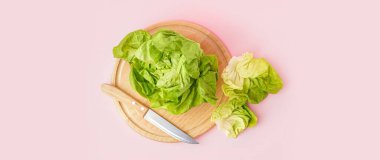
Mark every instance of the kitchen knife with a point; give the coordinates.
(148, 114)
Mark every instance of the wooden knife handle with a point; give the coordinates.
(124, 97)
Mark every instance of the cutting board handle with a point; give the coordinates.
(124, 97)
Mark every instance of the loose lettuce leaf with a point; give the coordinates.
(230, 75)
(236, 93)
(250, 78)
(170, 70)
(249, 67)
(233, 117)
(245, 79)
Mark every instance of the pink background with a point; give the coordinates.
(55, 55)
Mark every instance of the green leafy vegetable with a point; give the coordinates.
(233, 117)
(245, 79)
(130, 43)
(250, 78)
(169, 70)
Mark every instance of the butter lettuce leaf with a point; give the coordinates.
(233, 117)
(250, 78)
(245, 79)
(231, 76)
(171, 71)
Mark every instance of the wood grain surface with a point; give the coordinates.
(196, 121)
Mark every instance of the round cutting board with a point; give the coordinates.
(195, 121)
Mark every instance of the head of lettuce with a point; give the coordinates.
(169, 70)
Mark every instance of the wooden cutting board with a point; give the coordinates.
(196, 121)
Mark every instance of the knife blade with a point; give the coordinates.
(167, 127)
(148, 114)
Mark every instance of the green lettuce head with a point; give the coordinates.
(169, 70)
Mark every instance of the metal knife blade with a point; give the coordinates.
(167, 127)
